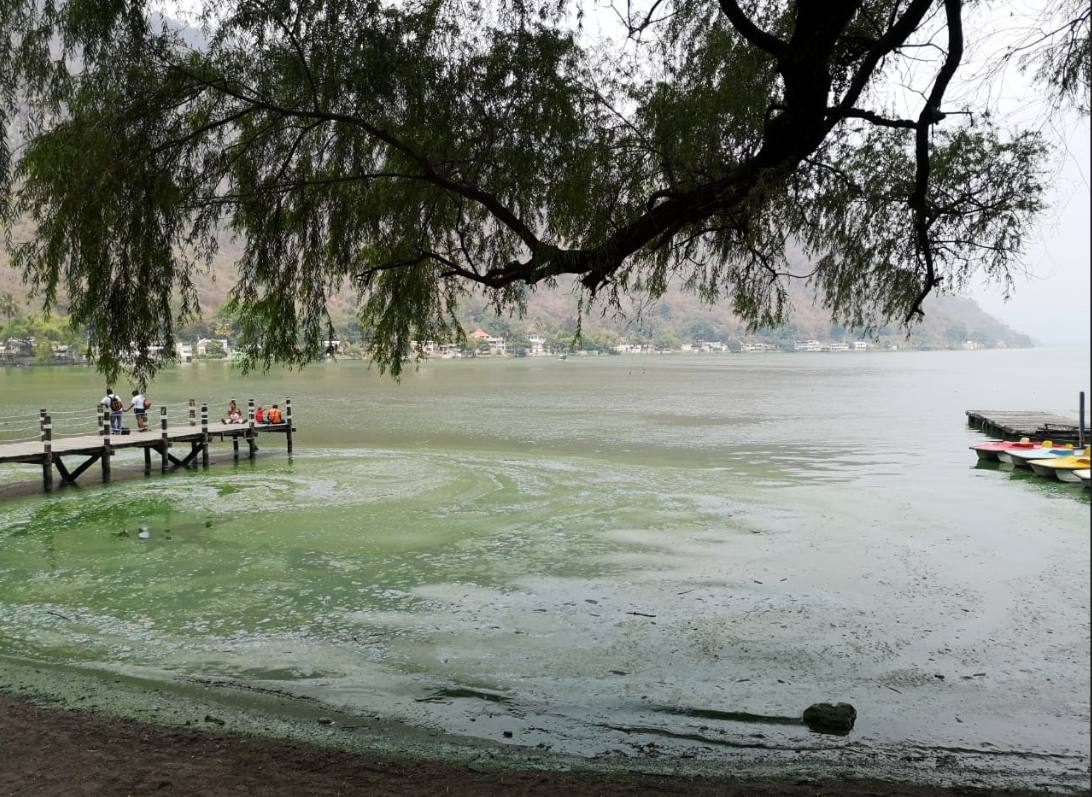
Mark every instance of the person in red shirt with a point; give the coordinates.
(259, 415)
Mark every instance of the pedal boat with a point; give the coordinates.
(1020, 457)
(1083, 475)
(989, 452)
(1061, 468)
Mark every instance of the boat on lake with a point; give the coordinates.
(989, 452)
(1020, 457)
(1061, 468)
(1083, 475)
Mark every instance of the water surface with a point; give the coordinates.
(625, 560)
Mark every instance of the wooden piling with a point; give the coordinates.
(47, 450)
(288, 420)
(193, 412)
(1080, 421)
(205, 436)
(105, 458)
(164, 441)
(250, 429)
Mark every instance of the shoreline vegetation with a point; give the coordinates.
(675, 325)
(12, 354)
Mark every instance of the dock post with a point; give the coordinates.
(163, 441)
(1080, 427)
(47, 451)
(205, 436)
(288, 420)
(105, 459)
(193, 412)
(147, 460)
(250, 428)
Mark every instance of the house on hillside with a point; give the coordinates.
(757, 347)
(17, 347)
(202, 348)
(538, 346)
(184, 352)
(493, 344)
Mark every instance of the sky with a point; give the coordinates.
(1052, 301)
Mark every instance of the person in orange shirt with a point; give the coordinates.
(274, 415)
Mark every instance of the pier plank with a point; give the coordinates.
(1025, 423)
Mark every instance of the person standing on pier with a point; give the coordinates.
(140, 410)
(115, 406)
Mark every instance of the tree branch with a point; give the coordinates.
(930, 115)
(429, 169)
(764, 41)
(871, 116)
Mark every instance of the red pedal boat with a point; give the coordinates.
(990, 452)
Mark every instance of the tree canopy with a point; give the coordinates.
(413, 150)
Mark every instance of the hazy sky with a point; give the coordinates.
(1052, 302)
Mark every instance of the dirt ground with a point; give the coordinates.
(56, 751)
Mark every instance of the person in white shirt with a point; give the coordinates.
(140, 410)
(115, 406)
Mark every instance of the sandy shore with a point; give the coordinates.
(59, 751)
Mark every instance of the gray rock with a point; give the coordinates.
(830, 718)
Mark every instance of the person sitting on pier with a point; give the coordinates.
(274, 415)
(259, 415)
(140, 407)
(233, 414)
(115, 406)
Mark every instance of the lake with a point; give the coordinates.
(649, 562)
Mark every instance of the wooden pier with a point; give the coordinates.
(168, 444)
(1015, 424)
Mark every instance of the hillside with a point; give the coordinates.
(675, 319)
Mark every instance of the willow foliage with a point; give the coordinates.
(415, 149)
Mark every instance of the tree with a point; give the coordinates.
(8, 306)
(215, 350)
(43, 351)
(416, 150)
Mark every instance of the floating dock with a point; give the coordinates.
(1025, 423)
(158, 439)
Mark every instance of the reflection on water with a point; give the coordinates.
(578, 549)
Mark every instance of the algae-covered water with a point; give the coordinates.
(624, 562)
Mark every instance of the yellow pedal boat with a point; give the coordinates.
(1062, 468)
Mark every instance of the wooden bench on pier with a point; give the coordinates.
(48, 452)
